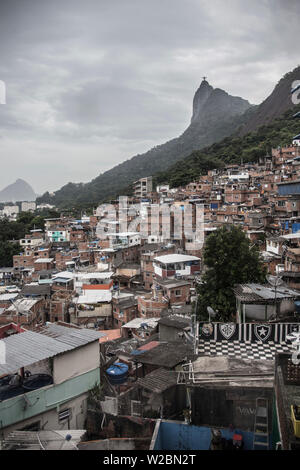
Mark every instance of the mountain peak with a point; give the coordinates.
(20, 190)
(200, 98)
(216, 115)
(209, 101)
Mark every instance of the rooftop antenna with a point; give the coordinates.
(275, 281)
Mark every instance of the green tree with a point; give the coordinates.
(7, 251)
(229, 259)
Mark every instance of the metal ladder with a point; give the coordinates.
(261, 426)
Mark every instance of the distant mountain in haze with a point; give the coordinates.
(216, 115)
(18, 191)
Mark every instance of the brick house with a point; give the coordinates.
(124, 309)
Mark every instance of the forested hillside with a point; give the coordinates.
(233, 150)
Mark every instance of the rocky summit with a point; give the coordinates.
(216, 115)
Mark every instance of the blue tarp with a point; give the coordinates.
(177, 436)
(295, 227)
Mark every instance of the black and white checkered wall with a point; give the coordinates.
(247, 332)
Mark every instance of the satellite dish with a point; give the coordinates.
(211, 313)
(295, 338)
(275, 280)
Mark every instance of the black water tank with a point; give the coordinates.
(10, 391)
(36, 381)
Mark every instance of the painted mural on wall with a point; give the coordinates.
(253, 332)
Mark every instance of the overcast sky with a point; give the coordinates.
(91, 83)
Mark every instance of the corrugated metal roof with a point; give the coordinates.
(259, 293)
(23, 305)
(95, 275)
(75, 337)
(176, 258)
(6, 297)
(43, 440)
(137, 322)
(62, 279)
(158, 380)
(64, 274)
(24, 349)
(94, 296)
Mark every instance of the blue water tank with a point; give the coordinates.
(117, 373)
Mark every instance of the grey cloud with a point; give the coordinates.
(109, 79)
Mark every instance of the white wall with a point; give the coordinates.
(273, 247)
(76, 362)
(257, 312)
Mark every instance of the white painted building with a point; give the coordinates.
(10, 211)
(296, 140)
(28, 206)
(124, 239)
(176, 265)
(69, 358)
(273, 246)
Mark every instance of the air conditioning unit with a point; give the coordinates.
(110, 405)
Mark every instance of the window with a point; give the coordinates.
(178, 293)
